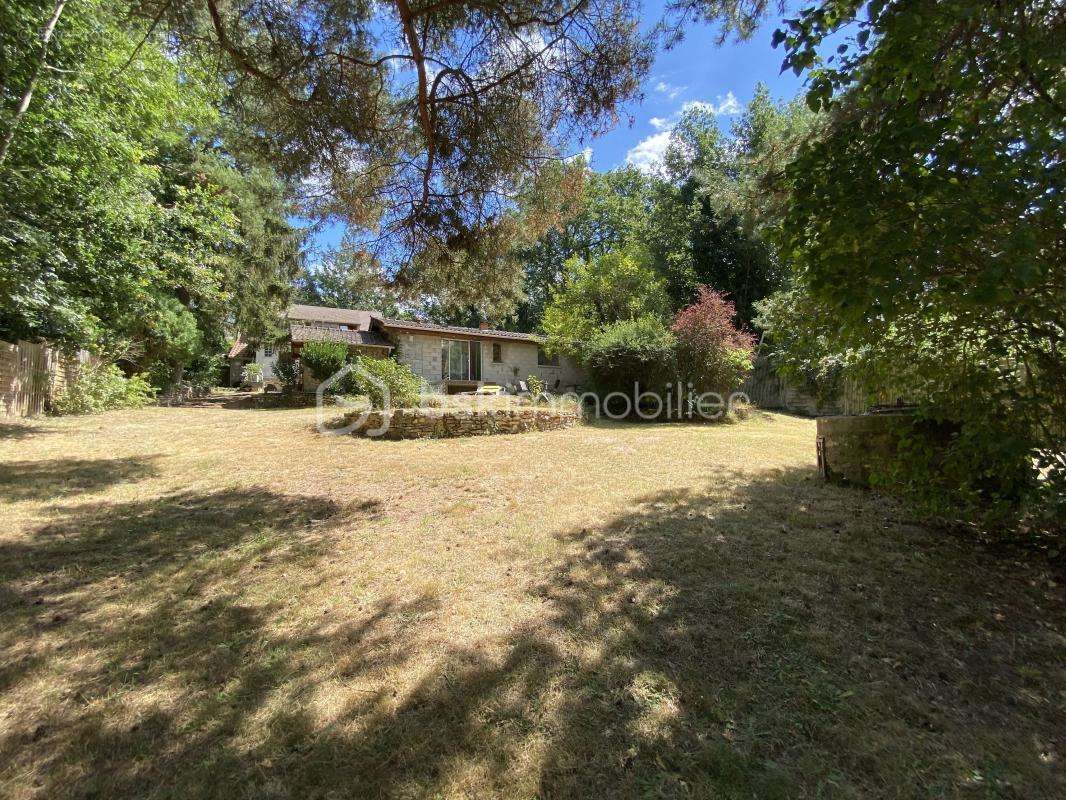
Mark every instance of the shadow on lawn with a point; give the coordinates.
(780, 638)
(44, 480)
(20, 430)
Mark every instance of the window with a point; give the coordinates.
(497, 353)
(544, 360)
(268, 350)
(460, 360)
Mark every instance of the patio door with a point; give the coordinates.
(460, 360)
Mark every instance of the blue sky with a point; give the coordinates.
(694, 71)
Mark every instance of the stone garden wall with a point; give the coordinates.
(421, 423)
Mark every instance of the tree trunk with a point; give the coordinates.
(27, 94)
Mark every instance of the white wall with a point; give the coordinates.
(267, 362)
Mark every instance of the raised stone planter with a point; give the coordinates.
(425, 423)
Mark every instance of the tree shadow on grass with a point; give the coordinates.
(20, 430)
(43, 480)
(769, 637)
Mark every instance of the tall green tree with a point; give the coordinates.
(926, 223)
(125, 214)
(609, 212)
(618, 286)
(716, 213)
(418, 123)
(77, 183)
(347, 278)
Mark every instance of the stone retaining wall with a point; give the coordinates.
(421, 423)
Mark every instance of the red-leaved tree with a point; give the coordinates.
(713, 354)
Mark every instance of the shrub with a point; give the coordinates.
(102, 387)
(535, 384)
(204, 373)
(711, 352)
(288, 369)
(323, 359)
(632, 351)
(251, 373)
(374, 377)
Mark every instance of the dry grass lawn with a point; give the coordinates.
(222, 603)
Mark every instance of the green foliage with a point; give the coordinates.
(323, 359)
(205, 372)
(630, 351)
(616, 286)
(347, 278)
(103, 387)
(926, 228)
(712, 214)
(385, 382)
(608, 212)
(716, 219)
(252, 374)
(800, 341)
(427, 159)
(535, 384)
(132, 226)
(75, 187)
(288, 371)
(940, 458)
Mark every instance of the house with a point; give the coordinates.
(447, 357)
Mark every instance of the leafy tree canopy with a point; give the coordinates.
(346, 278)
(417, 123)
(128, 216)
(926, 223)
(616, 286)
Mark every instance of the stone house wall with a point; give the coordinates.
(518, 360)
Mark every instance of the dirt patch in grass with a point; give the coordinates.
(219, 603)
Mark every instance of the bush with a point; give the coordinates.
(535, 384)
(324, 359)
(374, 377)
(712, 353)
(204, 373)
(288, 370)
(103, 387)
(251, 374)
(632, 351)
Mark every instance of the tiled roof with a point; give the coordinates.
(483, 333)
(340, 316)
(237, 348)
(312, 333)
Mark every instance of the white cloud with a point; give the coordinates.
(648, 154)
(728, 105)
(725, 105)
(698, 105)
(585, 154)
(669, 89)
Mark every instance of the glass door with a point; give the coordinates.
(460, 360)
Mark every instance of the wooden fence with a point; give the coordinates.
(767, 389)
(32, 374)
